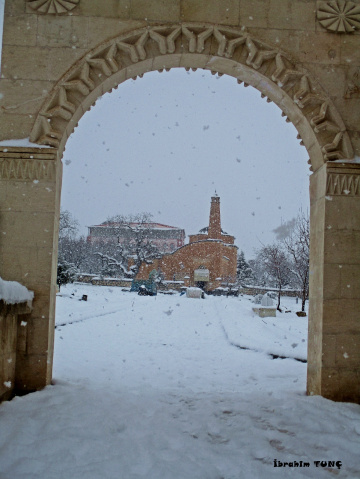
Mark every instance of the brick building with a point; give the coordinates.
(208, 260)
(166, 238)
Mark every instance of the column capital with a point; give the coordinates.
(27, 163)
(343, 179)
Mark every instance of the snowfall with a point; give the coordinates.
(170, 387)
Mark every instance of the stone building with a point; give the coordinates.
(207, 261)
(166, 238)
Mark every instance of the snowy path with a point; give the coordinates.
(151, 388)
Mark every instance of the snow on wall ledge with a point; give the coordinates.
(356, 159)
(12, 292)
(24, 142)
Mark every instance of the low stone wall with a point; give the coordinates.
(179, 285)
(11, 320)
(86, 278)
(253, 291)
(171, 285)
(123, 283)
(98, 281)
(126, 283)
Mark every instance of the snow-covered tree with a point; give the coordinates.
(76, 251)
(68, 225)
(112, 260)
(276, 265)
(66, 273)
(297, 243)
(68, 228)
(244, 273)
(127, 256)
(259, 275)
(72, 250)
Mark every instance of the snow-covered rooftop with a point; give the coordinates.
(206, 230)
(112, 224)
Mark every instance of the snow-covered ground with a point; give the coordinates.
(170, 387)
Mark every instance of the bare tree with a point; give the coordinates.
(68, 225)
(114, 260)
(297, 244)
(276, 266)
(68, 228)
(76, 251)
(133, 245)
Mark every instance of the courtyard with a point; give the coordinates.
(174, 387)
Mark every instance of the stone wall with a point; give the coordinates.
(253, 291)
(297, 54)
(13, 329)
(180, 285)
(218, 258)
(126, 283)
(98, 281)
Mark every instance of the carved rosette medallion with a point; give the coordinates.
(53, 6)
(339, 16)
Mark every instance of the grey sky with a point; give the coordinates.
(166, 142)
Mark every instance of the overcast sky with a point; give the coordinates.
(164, 143)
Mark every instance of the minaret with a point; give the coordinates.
(214, 221)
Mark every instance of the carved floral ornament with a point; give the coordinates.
(59, 113)
(340, 16)
(53, 6)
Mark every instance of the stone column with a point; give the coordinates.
(30, 182)
(334, 315)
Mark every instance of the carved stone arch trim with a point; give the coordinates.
(217, 48)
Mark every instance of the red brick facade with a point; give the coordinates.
(212, 250)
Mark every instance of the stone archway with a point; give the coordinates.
(43, 101)
(221, 50)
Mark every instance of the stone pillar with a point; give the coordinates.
(334, 315)
(30, 182)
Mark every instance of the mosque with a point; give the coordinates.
(207, 261)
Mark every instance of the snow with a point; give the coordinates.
(22, 142)
(12, 292)
(162, 387)
(356, 159)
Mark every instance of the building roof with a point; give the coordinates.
(205, 230)
(158, 226)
